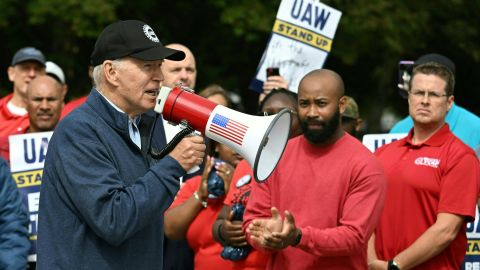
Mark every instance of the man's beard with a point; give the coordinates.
(323, 135)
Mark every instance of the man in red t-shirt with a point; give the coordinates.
(27, 63)
(227, 230)
(72, 105)
(328, 186)
(433, 181)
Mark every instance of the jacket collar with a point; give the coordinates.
(116, 119)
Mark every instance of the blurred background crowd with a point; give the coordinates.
(229, 37)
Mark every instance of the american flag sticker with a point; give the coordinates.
(228, 129)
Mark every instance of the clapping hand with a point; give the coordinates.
(261, 230)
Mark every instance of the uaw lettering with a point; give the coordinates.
(375, 141)
(28, 178)
(27, 156)
(302, 37)
(305, 11)
(33, 202)
(472, 266)
(310, 14)
(472, 256)
(473, 247)
(30, 154)
(28, 151)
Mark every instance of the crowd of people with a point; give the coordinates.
(108, 202)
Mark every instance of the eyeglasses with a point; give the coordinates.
(422, 93)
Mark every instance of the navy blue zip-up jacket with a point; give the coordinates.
(102, 198)
(14, 242)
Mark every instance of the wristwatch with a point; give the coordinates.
(392, 265)
(298, 238)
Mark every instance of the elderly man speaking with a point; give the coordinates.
(103, 196)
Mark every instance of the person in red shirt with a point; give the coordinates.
(433, 181)
(27, 63)
(193, 213)
(329, 188)
(194, 209)
(229, 232)
(73, 104)
(44, 103)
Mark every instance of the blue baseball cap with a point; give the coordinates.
(28, 54)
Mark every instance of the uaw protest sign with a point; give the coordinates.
(375, 141)
(27, 155)
(472, 256)
(301, 39)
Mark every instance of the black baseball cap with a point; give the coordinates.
(436, 58)
(28, 54)
(131, 38)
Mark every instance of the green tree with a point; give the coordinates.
(229, 37)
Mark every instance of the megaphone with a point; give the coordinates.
(261, 140)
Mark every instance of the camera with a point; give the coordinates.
(404, 75)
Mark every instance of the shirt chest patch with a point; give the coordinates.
(426, 161)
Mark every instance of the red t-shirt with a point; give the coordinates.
(241, 184)
(199, 234)
(335, 194)
(10, 124)
(439, 176)
(72, 105)
(242, 181)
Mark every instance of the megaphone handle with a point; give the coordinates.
(193, 169)
(170, 145)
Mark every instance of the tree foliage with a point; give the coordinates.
(228, 38)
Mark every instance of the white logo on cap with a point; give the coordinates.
(150, 34)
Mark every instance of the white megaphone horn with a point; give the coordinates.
(259, 139)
